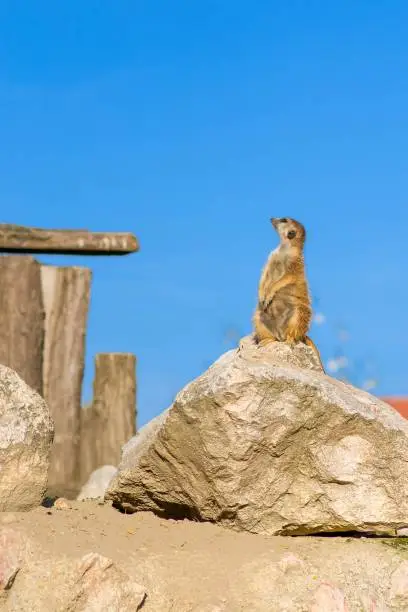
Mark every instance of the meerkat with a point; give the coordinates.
(284, 312)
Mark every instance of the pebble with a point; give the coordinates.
(62, 504)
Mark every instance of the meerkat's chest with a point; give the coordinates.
(277, 264)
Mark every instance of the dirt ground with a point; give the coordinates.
(199, 562)
(97, 527)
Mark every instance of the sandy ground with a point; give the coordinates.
(97, 527)
(197, 561)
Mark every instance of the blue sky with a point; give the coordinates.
(191, 123)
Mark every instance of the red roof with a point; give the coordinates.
(399, 403)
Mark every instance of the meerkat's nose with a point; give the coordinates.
(274, 221)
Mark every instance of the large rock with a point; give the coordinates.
(26, 435)
(97, 483)
(263, 441)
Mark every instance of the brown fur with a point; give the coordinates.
(284, 310)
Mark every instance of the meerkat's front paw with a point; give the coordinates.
(264, 305)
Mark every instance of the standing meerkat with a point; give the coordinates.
(284, 309)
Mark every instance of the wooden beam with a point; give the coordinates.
(22, 318)
(20, 239)
(66, 294)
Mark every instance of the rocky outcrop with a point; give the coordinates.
(26, 435)
(264, 442)
(97, 483)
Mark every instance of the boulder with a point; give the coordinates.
(264, 442)
(26, 435)
(97, 483)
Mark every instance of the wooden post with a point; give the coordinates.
(66, 293)
(49, 355)
(88, 443)
(22, 318)
(114, 405)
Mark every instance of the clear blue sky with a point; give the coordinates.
(191, 123)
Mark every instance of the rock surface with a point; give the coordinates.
(26, 435)
(31, 580)
(13, 548)
(97, 483)
(264, 442)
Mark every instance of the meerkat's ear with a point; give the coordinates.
(291, 234)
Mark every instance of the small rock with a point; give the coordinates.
(289, 561)
(62, 504)
(97, 483)
(403, 532)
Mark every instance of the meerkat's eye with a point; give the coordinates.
(284, 220)
(291, 234)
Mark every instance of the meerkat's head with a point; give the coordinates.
(290, 232)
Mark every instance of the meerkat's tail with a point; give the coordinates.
(309, 342)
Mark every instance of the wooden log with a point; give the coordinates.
(17, 238)
(22, 318)
(66, 292)
(114, 404)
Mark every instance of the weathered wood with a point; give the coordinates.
(17, 238)
(88, 443)
(66, 292)
(114, 404)
(22, 318)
